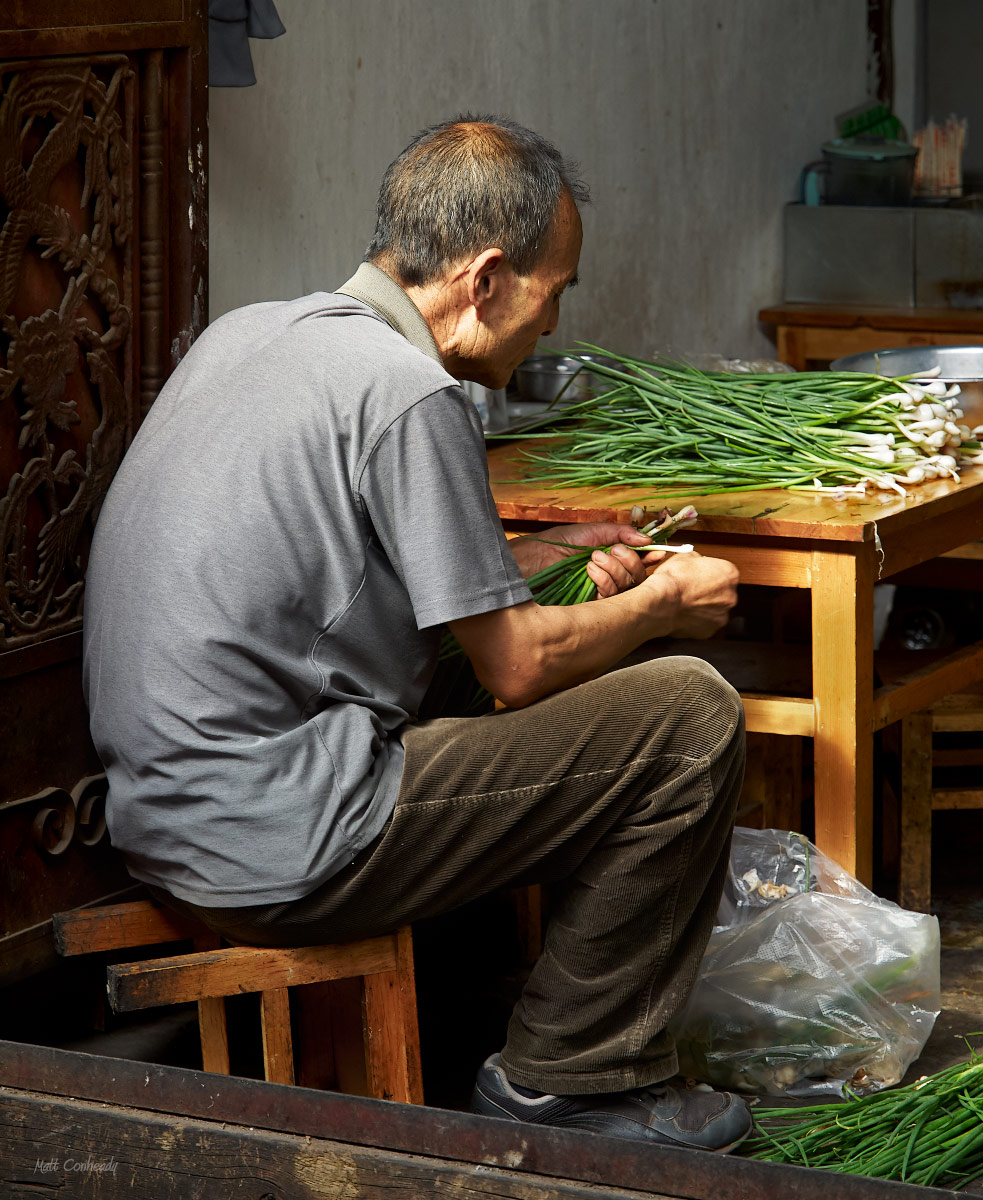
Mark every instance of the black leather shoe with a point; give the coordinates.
(697, 1118)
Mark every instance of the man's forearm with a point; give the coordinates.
(523, 653)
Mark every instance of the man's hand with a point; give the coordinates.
(611, 572)
(707, 591)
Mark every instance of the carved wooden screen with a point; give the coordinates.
(102, 288)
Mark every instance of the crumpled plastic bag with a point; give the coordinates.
(810, 984)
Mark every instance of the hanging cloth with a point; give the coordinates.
(231, 23)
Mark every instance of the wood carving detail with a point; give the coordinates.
(63, 817)
(66, 312)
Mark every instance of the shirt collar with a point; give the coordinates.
(381, 292)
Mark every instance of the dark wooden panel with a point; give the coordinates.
(489, 1146)
(103, 272)
(35, 28)
(93, 1151)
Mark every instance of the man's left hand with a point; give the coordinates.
(611, 572)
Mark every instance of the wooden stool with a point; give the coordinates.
(369, 1045)
(961, 713)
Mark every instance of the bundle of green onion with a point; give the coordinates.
(566, 581)
(660, 424)
(930, 1132)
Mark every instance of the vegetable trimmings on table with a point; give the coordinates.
(660, 424)
(930, 1132)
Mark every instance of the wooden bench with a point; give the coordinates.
(355, 1003)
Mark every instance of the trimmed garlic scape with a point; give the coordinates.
(664, 425)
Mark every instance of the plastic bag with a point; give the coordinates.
(810, 984)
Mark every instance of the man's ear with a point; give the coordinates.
(485, 277)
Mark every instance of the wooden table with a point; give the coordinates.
(811, 335)
(838, 549)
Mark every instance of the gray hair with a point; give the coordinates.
(464, 185)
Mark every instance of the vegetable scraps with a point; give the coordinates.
(930, 1132)
(662, 424)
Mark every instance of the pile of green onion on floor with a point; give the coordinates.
(929, 1132)
(664, 425)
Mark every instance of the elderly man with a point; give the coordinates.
(304, 511)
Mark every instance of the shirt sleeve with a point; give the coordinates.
(424, 488)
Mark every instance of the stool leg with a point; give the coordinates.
(915, 870)
(212, 1027)
(214, 1035)
(390, 1033)
(278, 1051)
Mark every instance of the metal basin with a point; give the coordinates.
(546, 377)
(959, 364)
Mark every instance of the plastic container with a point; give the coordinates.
(861, 170)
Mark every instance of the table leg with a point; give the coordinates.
(843, 690)
(789, 351)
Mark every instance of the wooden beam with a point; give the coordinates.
(789, 715)
(241, 969)
(769, 566)
(65, 1088)
(950, 798)
(84, 1149)
(921, 689)
(119, 926)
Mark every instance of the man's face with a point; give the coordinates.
(527, 307)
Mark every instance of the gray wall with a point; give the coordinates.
(691, 119)
(953, 51)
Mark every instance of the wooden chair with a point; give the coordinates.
(921, 794)
(355, 1003)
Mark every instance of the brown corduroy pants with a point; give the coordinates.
(621, 793)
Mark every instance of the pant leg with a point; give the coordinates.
(622, 792)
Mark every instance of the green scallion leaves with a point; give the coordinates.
(664, 425)
(930, 1132)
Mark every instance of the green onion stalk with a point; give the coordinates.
(930, 1132)
(566, 581)
(664, 425)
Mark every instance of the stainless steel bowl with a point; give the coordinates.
(546, 377)
(958, 364)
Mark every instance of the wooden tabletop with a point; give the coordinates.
(766, 514)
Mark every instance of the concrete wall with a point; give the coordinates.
(954, 39)
(691, 120)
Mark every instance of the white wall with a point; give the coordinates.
(690, 118)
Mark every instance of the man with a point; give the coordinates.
(303, 511)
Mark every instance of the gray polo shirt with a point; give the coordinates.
(304, 507)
